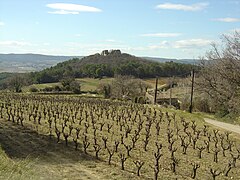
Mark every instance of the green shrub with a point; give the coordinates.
(33, 89)
(48, 89)
(57, 88)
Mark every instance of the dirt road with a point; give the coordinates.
(226, 126)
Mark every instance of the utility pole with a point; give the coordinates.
(171, 85)
(191, 103)
(155, 95)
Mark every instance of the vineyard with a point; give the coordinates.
(143, 140)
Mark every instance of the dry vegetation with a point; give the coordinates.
(143, 141)
(15, 170)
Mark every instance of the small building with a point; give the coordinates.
(163, 99)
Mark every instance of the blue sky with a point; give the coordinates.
(157, 28)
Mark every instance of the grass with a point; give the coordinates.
(91, 84)
(87, 84)
(15, 169)
(152, 81)
(233, 119)
(54, 161)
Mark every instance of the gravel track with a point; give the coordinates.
(223, 125)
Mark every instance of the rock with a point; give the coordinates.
(105, 53)
(115, 52)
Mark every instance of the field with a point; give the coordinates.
(91, 84)
(87, 84)
(80, 138)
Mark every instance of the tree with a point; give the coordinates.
(219, 77)
(16, 82)
(66, 83)
(70, 84)
(127, 87)
(75, 87)
(105, 89)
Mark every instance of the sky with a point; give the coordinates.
(157, 28)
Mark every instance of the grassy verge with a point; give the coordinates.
(14, 169)
(227, 119)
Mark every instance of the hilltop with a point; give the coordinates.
(111, 58)
(108, 64)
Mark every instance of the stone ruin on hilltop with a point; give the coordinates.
(111, 52)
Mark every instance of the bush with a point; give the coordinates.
(33, 89)
(48, 89)
(185, 103)
(222, 112)
(70, 84)
(202, 104)
(57, 88)
(75, 87)
(105, 89)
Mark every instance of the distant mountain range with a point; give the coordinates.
(162, 60)
(37, 62)
(29, 62)
(34, 57)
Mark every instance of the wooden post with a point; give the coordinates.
(155, 95)
(191, 102)
(170, 98)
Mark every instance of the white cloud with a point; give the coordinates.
(192, 43)
(14, 43)
(162, 45)
(100, 46)
(78, 35)
(63, 12)
(193, 7)
(46, 44)
(110, 40)
(2, 23)
(227, 19)
(161, 35)
(65, 8)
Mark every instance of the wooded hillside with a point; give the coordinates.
(109, 64)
